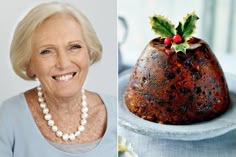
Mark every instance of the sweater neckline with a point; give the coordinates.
(43, 140)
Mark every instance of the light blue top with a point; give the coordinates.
(20, 136)
(76, 148)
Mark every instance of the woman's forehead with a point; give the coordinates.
(58, 27)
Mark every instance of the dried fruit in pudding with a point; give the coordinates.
(178, 83)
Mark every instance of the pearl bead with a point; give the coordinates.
(83, 122)
(40, 94)
(72, 137)
(41, 99)
(59, 134)
(45, 110)
(39, 88)
(81, 128)
(50, 122)
(84, 97)
(42, 105)
(54, 128)
(77, 133)
(84, 115)
(65, 137)
(84, 104)
(84, 109)
(48, 116)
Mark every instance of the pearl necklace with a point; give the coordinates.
(51, 123)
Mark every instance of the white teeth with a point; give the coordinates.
(64, 77)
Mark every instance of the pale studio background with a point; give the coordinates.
(102, 77)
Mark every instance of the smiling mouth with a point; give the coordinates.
(64, 77)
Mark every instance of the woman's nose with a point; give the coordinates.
(63, 60)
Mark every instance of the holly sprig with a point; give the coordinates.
(162, 26)
(175, 38)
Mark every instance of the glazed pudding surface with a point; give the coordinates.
(177, 88)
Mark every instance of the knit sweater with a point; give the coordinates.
(20, 136)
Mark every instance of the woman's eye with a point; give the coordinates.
(44, 52)
(74, 47)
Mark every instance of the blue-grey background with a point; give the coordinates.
(216, 25)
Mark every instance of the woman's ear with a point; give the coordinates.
(30, 72)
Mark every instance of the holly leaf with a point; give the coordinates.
(180, 47)
(179, 29)
(162, 26)
(189, 25)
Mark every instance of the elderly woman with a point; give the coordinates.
(56, 44)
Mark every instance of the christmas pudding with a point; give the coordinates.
(177, 79)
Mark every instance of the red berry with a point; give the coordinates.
(177, 38)
(168, 41)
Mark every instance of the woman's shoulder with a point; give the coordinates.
(10, 114)
(102, 97)
(12, 104)
(108, 98)
(109, 101)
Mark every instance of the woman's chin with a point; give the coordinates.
(66, 93)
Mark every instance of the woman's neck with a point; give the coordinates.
(64, 106)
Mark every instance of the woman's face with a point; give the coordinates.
(60, 57)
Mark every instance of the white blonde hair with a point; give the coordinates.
(20, 51)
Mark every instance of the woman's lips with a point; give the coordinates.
(64, 77)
